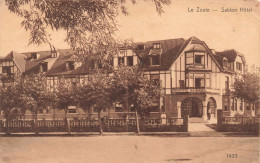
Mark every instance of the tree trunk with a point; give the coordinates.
(66, 110)
(7, 124)
(137, 122)
(36, 122)
(89, 114)
(100, 123)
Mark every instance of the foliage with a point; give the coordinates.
(133, 88)
(248, 86)
(35, 93)
(10, 98)
(64, 95)
(90, 24)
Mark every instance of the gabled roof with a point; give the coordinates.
(32, 65)
(19, 60)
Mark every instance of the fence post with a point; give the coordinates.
(103, 124)
(127, 123)
(185, 120)
(68, 123)
(219, 119)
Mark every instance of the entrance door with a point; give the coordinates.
(195, 110)
(193, 107)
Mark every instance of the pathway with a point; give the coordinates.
(201, 130)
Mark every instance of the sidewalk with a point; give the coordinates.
(161, 134)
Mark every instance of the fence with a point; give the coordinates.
(109, 125)
(237, 124)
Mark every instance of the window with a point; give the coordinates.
(199, 82)
(140, 47)
(198, 59)
(226, 83)
(121, 60)
(182, 85)
(235, 101)
(225, 103)
(232, 104)
(111, 62)
(247, 106)
(156, 45)
(6, 70)
(130, 61)
(154, 60)
(44, 67)
(119, 109)
(155, 79)
(239, 66)
(72, 110)
(70, 65)
(241, 105)
(225, 62)
(154, 109)
(40, 111)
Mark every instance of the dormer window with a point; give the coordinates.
(34, 56)
(70, 65)
(54, 54)
(199, 59)
(225, 62)
(154, 59)
(44, 67)
(7, 70)
(141, 47)
(156, 45)
(239, 66)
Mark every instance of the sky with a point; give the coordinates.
(220, 30)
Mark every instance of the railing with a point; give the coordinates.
(240, 120)
(238, 123)
(83, 125)
(202, 90)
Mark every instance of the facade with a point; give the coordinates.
(193, 76)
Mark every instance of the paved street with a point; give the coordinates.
(118, 149)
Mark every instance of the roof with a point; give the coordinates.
(219, 59)
(168, 52)
(18, 58)
(229, 54)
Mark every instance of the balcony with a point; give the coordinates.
(197, 67)
(195, 90)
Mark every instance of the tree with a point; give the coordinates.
(64, 96)
(84, 98)
(10, 98)
(36, 95)
(100, 84)
(248, 86)
(90, 24)
(133, 88)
